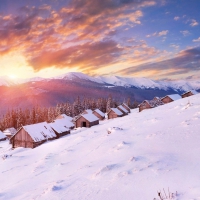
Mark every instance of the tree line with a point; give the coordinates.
(18, 117)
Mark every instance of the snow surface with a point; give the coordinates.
(117, 111)
(145, 152)
(2, 136)
(66, 122)
(10, 131)
(100, 112)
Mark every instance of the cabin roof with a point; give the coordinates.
(10, 131)
(59, 126)
(90, 117)
(152, 103)
(68, 123)
(122, 108)
(125, 105)
(2, 136)
(100, 112)
(116, 110)
(88, 111)
(192, 91)
(40, 131)
(174, 97)
(64, 116)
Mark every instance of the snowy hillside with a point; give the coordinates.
(149, 151)
(142, 83)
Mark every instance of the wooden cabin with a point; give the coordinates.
(2, 136)
(98, 113)
(31, 136)
(170, 98)
(88, 111)
(66, 120)
(189, 93)
(63, 116)
(126, 107)
(123, 110)
(156, 98)
(9, 132)
(86, 120)
(147, 104)
(114, 113)
(60, 128)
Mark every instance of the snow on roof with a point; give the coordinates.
(192, 91)
(125, 105)
(100, 112)
(2, 136)
(153, 103)
(117, 111)
(10, 131)
(65, 117)
(123, 109)
(90, 117)
(59, 126)
(40, 131)
(174, 97)
(66, 122)
(88, 111)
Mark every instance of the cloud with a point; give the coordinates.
(176, 18)
(184, 62)
(88, 55)
(196, 40)
(161, 33)
(175, 46)
(185, 33)
(194, 23)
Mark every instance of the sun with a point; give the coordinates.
(12, 76)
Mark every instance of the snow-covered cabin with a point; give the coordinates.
(189, 93)
(170, 98)
(126, 107)
(31, 136)
(60, 128)
(66, 120)
(2, 136)
(9, 132)
(63, 116)
(123, 110)
(86, 120)
(98, 113)
(147, 104)
(88, 111)
(156, 98)
(114, 113)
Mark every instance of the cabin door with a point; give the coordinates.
(84, 124)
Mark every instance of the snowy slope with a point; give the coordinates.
(157, 148)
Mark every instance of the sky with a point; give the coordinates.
(157, 39)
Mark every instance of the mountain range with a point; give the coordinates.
(26, 93)
(142, 83)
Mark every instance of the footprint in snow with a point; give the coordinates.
(106, 169)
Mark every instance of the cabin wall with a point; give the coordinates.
(98, 115)
(166, 100)
(22, 139)
(187, 94)
(144, 106)
(94, 123)
(79, 122)
(112, 115)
